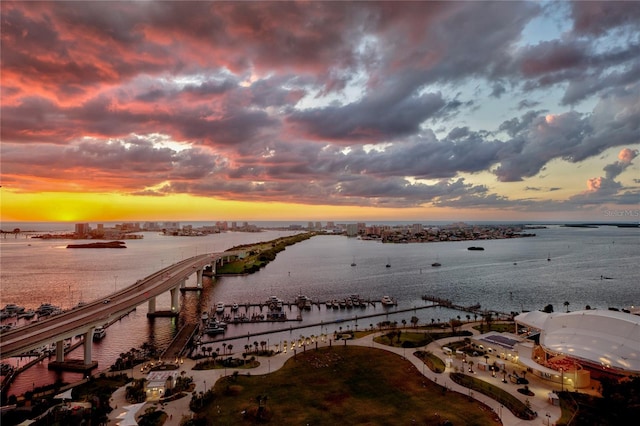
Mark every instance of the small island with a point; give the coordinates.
(110, 244)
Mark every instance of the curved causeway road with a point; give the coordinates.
(83, 319)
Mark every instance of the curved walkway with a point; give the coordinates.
(205, 379)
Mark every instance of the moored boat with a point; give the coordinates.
(214, 327)
(10, 310)
(47, 309)
(28, 314)
(387, 301)
(99, 333)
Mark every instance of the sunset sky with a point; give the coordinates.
(156, 110)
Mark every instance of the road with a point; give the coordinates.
(81, 320)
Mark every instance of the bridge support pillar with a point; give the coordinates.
(213, 267)
(175, 299)
(60, 351)
(152, 305)
(183, 283)
(88, 345)
(199, 278)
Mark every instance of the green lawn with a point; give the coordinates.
(434, 363)
(341, 385)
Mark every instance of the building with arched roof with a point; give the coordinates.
(581, 343)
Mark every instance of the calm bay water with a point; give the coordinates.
(509, 275)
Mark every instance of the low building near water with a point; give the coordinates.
(571, 347)
(158, 382)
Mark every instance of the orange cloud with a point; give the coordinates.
(594, 184)
(627, 155)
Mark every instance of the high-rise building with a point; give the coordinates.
(82, 229)
(352, 230)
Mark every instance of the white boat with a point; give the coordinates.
(204, 316)
(274, 303)
(214, 327)
(234, 307)
(99, 332)
(220, 307)
(387, 301)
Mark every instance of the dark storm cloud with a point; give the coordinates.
(598, 17)
(570, 136)
(88, 84)
(133, 162)
(369, 119)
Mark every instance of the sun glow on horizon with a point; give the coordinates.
(110, 207)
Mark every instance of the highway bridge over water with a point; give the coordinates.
(83, 320)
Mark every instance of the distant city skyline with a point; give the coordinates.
(331, 111)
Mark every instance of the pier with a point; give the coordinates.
(473, 309)
(323, 323)
(317, 304)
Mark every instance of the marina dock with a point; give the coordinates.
(323, 323)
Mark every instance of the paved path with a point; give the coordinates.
(204, 379)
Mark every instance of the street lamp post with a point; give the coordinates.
(561, 380)
(548, 419)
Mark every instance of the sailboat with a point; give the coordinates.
(354, 262)
(549, 257)
(388, 265)
(436, 263)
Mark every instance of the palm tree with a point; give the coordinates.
(414, 321)
(566, 305)
(404, 323)
(224, 348)
(488, 319)
(468, 317)
(230, 347)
